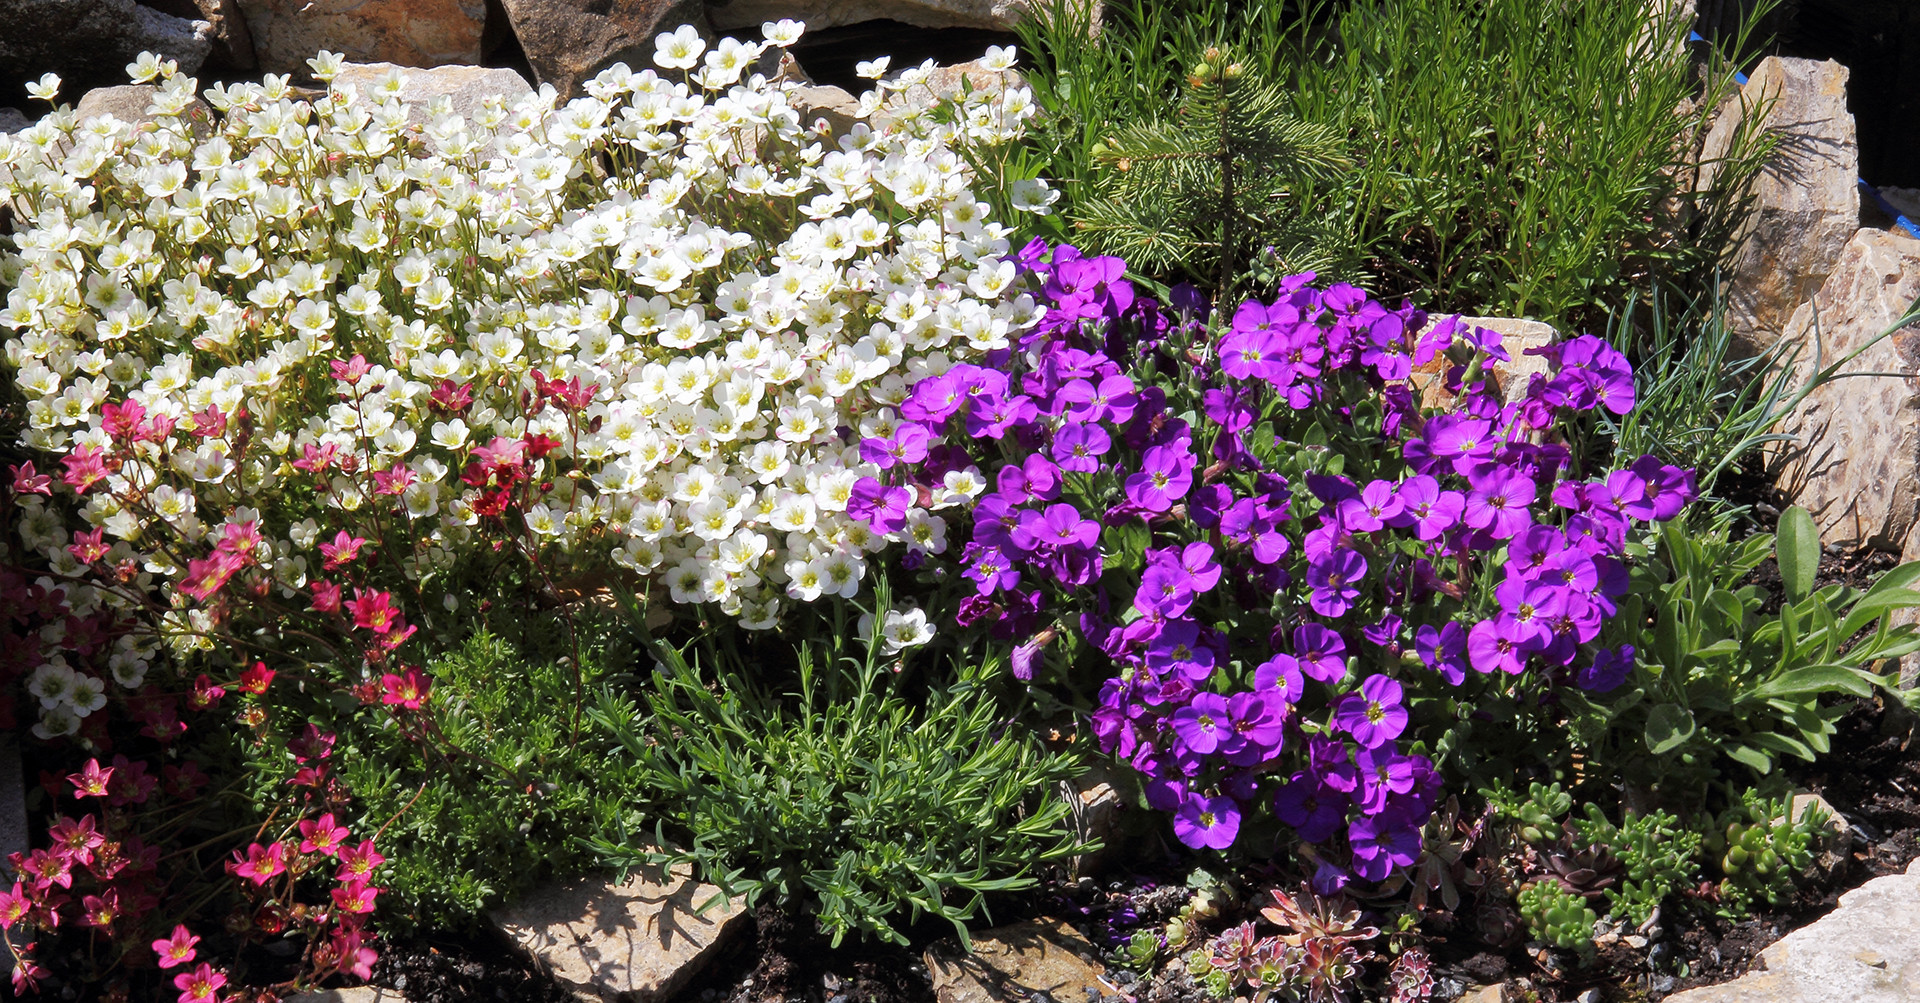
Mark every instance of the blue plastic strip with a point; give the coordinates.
(1872, 192)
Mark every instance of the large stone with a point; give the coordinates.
(286, 33)
(637, 941)
(13, 806)
(1511, 377)
(948, 82)
(90, 42)
(232, 42)
(131, 103)
(815, 102)
(466, 88)
(13, 120)
(1855, 463)
(1806, 200)
(567, 42)
(1865, 951)
(1014, 963)
(997, 15)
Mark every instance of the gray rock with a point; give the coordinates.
(1806, 199)
(1855, 463)
(1865, 951)
(286, 33)
(13, 120)
(13, 805)
(1097, 808)
(567, 42)
(824, 101)
(641, 940)
(232, 42)
(1016, 963)
(89, 42)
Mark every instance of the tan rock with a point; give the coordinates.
(286, 33)
(1855, 463)
(1511, 377)
(567, 42)
(1865, 951)
(1806, 199)
(639, 941)
(1484, 994)
(825, 101)
(1013, 962)
(358, 994)
(466, 89)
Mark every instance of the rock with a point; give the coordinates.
(945, 82)
(1511, 377)
(358, 994)
(824, 101)
(1484, 994)
(994, 15)
(1097, 807)
(286, 33)
(130, 103)
(13, 120)
(640, 940)
(13, 805)
(1865, 951)
(1013, 963)
(1906, 200)
(1806, 199)
(232, 42)
(1856, 462)
(567, 42)
(90, 42)
(1836, 827)
(467, 88)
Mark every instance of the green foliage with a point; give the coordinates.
(1716, 679)
(1762, 851)
(1509, 157)
(504, 798)
(1228, 177)
(1657, 854)
(1558, 917)
(854, 801)
(1536, 816)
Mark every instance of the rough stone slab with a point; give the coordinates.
(13, 120)
(1806, 200)
(286, 33)
(1856, 464)
(637, 942)
(358, 994)
(130, 103)
(1865, 951)
(825, 101)
(1012, 963)
(90, 42)
(467, 87)
(1511, 377)
(568, 42)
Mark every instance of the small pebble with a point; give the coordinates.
(1636, 941)
(1590, 996)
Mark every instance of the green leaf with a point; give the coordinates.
(1669, 727)
(1797, 547)
(1749, 756)
(1814, 680)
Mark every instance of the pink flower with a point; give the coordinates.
(322, 835)
(262, 863)
(349, 371)
(177, 949)
(326, 597)
(355, 897)
(27, 482)
(14, 906)
(345, 549)
(409, 689)
(357, 862)
(76, 839)
(354, 959)
(91, 781)
(255, 680)
(200, 985)
(86, 467)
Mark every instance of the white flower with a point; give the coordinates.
(783, 32)
(680, 50)
(873, 69)
(999, 57)
(47, 88)
(902, 629)
(327, 65)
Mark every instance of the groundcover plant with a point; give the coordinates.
(309, 401)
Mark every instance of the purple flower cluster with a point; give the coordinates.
(1266, 611)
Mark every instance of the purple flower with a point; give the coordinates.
(1663, 491)
(1207, 822)
(1258, 726)
(1383, 772)
(1499, 502)
(1444, 650)
(1281, 674)
(1178, 648)
(1078, 447)
(1374, 715)
(992, 570)
(1253, 353)
(1322, 652)
(1491, 651)
(1167, 589)
(1610, 668)
(1429, 510)
(883, 508)
(1112, 399)
(1204, 723)
(1381, 844)
(1061, 525)
(1335, 581)
(1373, 509)
(1166, 474)
(1251, 523)
(1315, 810)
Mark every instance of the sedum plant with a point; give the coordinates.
(853, 801)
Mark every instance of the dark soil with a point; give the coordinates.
(782, 960)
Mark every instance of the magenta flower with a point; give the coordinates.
(1166, 475)
(1499, 502)
(1203, 724)
(1315, 810)
(1374, 715)
(1335, 581)
(1380, 844)
(1491, 651)
(1281, 674)
(1322, 652)
(1078, 447)
(883, 508)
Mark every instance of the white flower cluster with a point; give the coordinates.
(673, 303)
